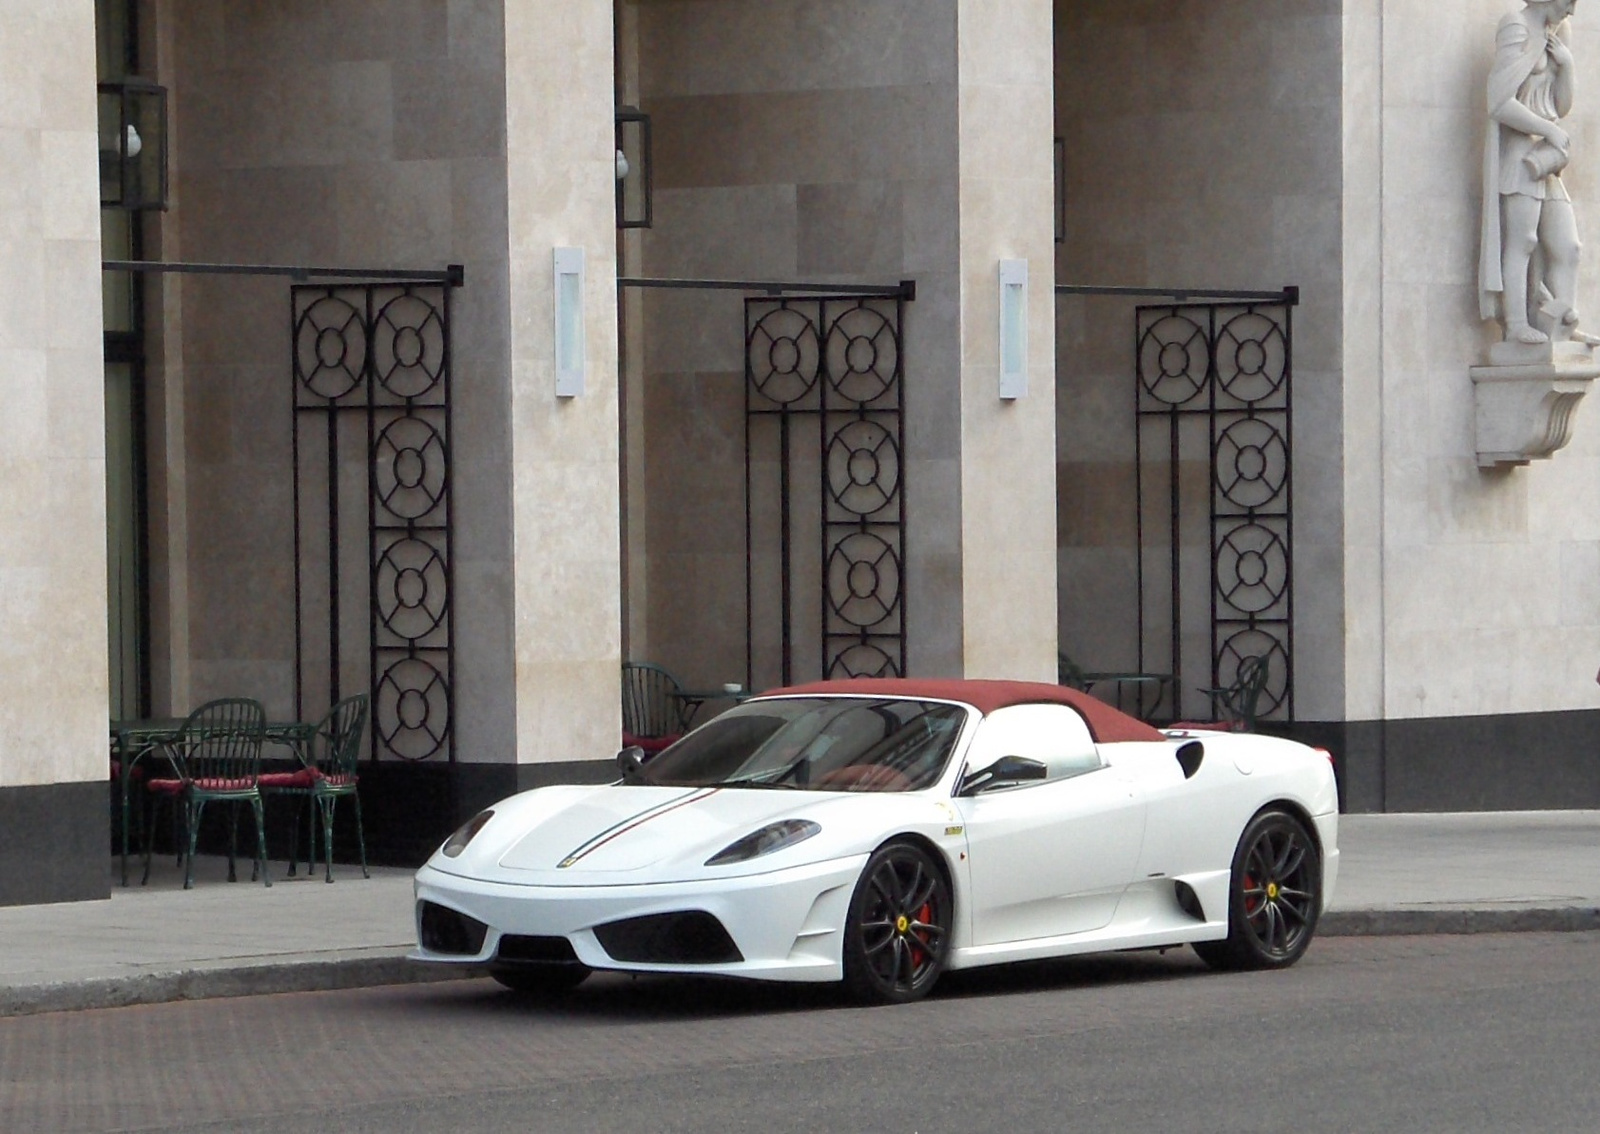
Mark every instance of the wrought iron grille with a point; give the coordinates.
(372, 385)
(1227, 369)
(824, 398)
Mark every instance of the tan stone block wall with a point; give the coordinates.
(363, 134)
(793, 141)
(53, 681)
(1203, 149)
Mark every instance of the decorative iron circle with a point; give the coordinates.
(783, 355)
(412, 586)
(408, 346)
(863, 580)
(1174, 360)
(410, 468)
(1252, 568)
(1252, 463)
(412, 714)
(1256, 641)
(863, 468)
(330, 348)
(862, 659)
(1252, 357)
(863, 355)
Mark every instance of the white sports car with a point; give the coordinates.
(881, 831)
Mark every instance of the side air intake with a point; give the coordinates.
(1189, 757)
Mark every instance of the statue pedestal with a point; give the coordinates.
(1526, 399)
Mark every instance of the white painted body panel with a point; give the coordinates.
(1066, 866)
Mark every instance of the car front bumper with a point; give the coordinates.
(787, 925)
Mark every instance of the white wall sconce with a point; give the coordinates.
(1013, 329)
(571, 352)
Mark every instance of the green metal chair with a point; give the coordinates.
(330, 769)
(655, 712)
(216, 757)
(1234, 704)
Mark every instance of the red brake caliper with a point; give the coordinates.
(1251, 901)
(918, 944)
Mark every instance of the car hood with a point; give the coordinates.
(628, 834)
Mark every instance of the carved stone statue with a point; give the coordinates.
(1528, 269)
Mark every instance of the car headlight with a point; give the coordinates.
(457, 842)
(773, 837)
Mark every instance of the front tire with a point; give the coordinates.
(1274, 896)
(898, 930)
(540, 980)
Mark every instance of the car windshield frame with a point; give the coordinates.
(823, 743)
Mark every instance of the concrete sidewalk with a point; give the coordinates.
(1400, 874)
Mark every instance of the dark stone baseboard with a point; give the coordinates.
(1501, 762)
(53, 843)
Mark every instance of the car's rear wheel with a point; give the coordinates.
(898, 930)
(540, 980)
(1274, 896)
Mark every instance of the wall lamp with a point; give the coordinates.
(571, 350)
(635, 169)
(133, 145)
(1013, 329)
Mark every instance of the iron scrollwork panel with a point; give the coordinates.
(383, 353)
(831, 370)
(1230, 365)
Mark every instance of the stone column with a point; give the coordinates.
(1005, 185)
(53, 684)
(564, 491)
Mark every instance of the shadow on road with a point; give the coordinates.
(627, 998)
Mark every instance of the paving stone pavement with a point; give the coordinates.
(1399, 874)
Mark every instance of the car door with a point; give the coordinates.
(1053, 856)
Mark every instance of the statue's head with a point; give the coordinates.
(1554, 10)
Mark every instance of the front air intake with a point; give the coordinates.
(690, 937)
(519, 949)
(450, 932)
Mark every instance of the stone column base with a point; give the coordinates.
(1526, 399)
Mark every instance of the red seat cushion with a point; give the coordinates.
(136, 772)
(304, 778)
(650, 744)
(210, 783)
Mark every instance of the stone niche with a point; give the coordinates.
(1526, 398)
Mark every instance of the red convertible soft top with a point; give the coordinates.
(1106, 724)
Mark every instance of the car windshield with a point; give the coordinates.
(816, 744)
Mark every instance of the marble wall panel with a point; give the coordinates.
(53, 665)
(1510, 542)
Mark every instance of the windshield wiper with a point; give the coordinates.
(772, 784)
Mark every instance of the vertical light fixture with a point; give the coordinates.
(571, 361)
(1013, 329)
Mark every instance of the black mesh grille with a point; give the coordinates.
(446, 931)
(536, 950)
(690, 937)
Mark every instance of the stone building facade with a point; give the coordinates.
(1436, 624)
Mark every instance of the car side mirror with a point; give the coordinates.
(1004, 771)
(631, 761)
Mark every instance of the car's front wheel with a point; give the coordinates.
(1274, 896)
(540, 980)
(898, 930)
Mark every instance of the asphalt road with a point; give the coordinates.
(1479, 1033)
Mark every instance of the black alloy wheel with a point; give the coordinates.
(540, 980)
(898, 930)
(1274, 897)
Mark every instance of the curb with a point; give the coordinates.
(215, 983)
(1457, 920)
(372, 971)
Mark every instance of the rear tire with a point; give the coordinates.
(898, 930)
(1274, 896)
(541, 980)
